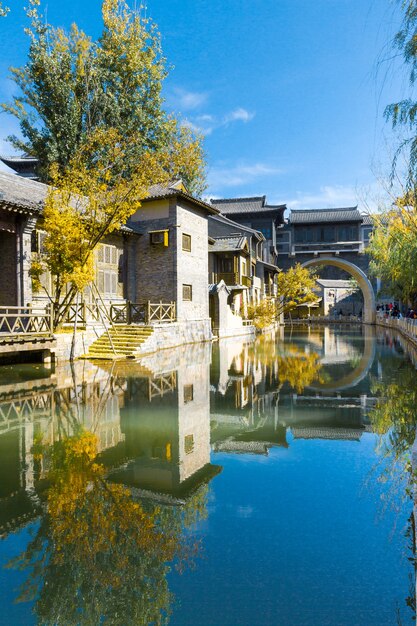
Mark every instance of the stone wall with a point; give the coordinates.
(61, 349)
(192, 267)
(176, 334)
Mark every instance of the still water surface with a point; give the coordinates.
(244, 483)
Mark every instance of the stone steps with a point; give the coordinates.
(124, 339)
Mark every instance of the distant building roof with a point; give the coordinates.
(256, 204)
(18, 193)
(367, 219)
(222, 219)
(175, 189)
(312, 216)
(23, 165)
(334, 284)
(233, 243)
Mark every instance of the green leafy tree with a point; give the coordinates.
(404, 113)
(72, 86)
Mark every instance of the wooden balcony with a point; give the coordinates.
(232, 279)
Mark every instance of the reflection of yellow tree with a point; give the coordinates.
(299, 369)
(394, 418)
(395, 414)
(99, 555)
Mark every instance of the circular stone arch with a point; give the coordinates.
(360, 277)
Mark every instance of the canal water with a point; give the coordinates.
(245, 483)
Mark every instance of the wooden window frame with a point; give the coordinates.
(186, 242)
(185, 287)
(159, 238)
(188, 393)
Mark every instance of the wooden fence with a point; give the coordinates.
(17, 321)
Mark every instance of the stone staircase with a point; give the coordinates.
(126, 341)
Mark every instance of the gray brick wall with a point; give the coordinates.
(152, 272)
(156, 272)
(8, 282)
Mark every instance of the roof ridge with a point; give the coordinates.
(348, 208)
(214, 200)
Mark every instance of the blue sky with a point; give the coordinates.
(289, 93)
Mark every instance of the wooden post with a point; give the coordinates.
(148, 313)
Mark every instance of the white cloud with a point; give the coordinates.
(327, 197)
(239, 114)
(369, 198)
(187, 100)
(241, 174)
(207, 123)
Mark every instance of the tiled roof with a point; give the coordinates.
(17, 192)
(159, 190)
(349, 214)
(232, 243)
(256, 204)
(235, 225)
(176, 188)
(334, 284)
(367, 219)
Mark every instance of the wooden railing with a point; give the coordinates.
(231, 279)
(128, 313)
(149, 313)
(17, 321)
(125, 312)
(161, 312)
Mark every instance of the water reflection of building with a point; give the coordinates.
(151, 420)
(166, 423)
(253, 406)
(244, 400)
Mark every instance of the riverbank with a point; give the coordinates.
(405, 326)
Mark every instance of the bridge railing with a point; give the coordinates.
(17, 321)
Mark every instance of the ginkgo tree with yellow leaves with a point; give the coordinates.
(296, 287)
(92, 198)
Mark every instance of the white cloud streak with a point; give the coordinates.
(206, 123)
(187, 100)
(241, 174)
(328, 196)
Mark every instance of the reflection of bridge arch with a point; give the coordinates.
(359, 372)
(358, 275)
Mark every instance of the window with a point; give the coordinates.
(189, 444)
(159, 237)
(187, 292)
(348, 233)
(327, 233)
(186, 242)
(110, 270)
(188, 393)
